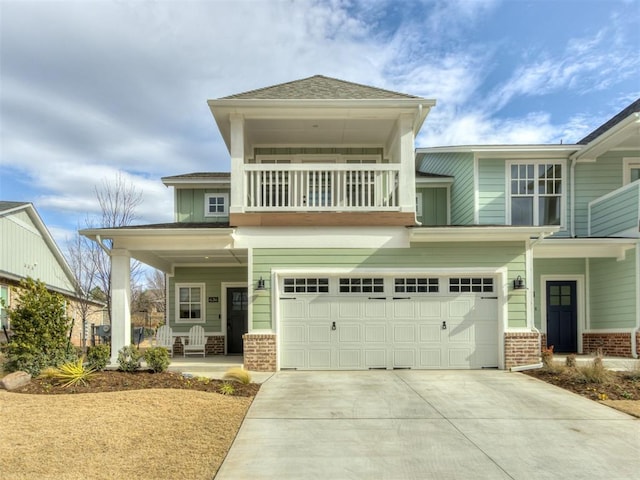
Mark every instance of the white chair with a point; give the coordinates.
(196, 340)
(164, 338)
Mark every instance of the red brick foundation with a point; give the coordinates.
(610, 344)
(214, 345)
(260, 352)
(521, 348)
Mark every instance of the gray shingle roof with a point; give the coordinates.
(612, 122)
(199, 175)
(171, 226)
(321, 88)
(5, 205)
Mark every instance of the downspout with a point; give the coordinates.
(634, 332)
(574, 160)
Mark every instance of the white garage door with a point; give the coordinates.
(350, 323)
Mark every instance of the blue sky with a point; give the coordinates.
(89, 89)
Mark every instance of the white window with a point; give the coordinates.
(536, 193)
(215, 204)
(361, 285)
(416, 285)
(190, 303)
(470, 285)
(306, 285)
(631, 170)
(4, 301)
(419, 204)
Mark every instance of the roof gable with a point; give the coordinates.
(612, 122)
(319, 87)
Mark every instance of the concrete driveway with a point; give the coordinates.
(429, 425)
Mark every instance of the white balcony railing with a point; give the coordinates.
(321, 187)
(617, 213)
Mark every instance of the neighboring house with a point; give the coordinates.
(334, 244)
(27, 249)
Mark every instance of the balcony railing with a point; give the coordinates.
(617, 213)
(321, 187)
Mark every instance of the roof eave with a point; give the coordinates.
(601, 144)
(478, 233)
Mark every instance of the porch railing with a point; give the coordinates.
(617, 213)
(321, 187)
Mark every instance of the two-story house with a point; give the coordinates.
(334, 244)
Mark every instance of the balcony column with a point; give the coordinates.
(120, 301)
(236, 204)
(407, 180)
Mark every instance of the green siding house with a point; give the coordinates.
(334, 243)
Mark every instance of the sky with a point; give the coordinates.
(92, 89)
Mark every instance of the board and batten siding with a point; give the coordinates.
(212, 279)
(491, 191)
(612, 292)
(459, 166)
(451, 255)
(190, 205)
(553, 266)
(28, 254)
(594, 180)
(434, 206)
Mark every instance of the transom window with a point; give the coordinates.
(189, 303)
(362, 285)
(536, 193)
(215, 204)
(416, 285)
(471, 284)
(306, 285)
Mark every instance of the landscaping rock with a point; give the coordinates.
(15, 380)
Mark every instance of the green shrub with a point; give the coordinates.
(226, 389)
(237, 374)
(157, 359)
(98, 357)
(40, 327)
(129, 358)
(73, 373)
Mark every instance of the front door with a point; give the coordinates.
(562, 318)
(237, 324)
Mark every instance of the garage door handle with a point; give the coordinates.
(377, 298)
(333, 325)
(444, 325)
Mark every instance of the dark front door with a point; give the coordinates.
(236, 319)
(562, 318)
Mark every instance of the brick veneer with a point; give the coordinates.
(521, 348)
(214, 345)
(613, 344)
(260, 352)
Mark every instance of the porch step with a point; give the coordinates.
(611, 363)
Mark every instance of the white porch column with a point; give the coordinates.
(237, 163)
(407, 163)
(120, 301)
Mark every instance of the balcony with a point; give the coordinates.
(293, 194)
(616, 214)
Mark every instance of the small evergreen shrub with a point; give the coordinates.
(237, 374)
(129, 358)
(226, 389)
(98, 357)
(157, 359)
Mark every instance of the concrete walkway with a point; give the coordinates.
(429, 425)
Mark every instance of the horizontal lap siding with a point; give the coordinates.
(212, 278)
(616, 214)
(491, 194)
(459, 166)
(552, 266)
(613, 292)
(452, 255)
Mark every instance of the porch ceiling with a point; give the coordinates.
(583, 248)
(167, 260)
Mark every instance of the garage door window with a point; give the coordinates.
(470, 284)
(416, 285)
(306, 285)
(361, 285)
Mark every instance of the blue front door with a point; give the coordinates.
(562, 316)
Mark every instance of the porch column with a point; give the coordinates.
(407, 164)
(120, 301)
(236, 204)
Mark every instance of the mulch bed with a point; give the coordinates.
(621, 385)
(115, 381)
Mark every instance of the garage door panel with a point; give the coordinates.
(375, 358)
(293, 358)
(404, 358)
(349, 358)
(293, 309)
(319, 358)
(375, 309)
(460, 307)
(296, 333)
(430, 333)
(461, 334)
(430, 309)
(350, 333)
(404, 333)
(319, 334)
(430, 358)
(404, 309)
(459, 357)
(319, 309)
(375, 333)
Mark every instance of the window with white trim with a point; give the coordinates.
(536, 193)
(216, 204)
(306, 285)
(4, 302)
(361, 285)
(631, 170)
(471, 285)
(190, 303)
(416, 285)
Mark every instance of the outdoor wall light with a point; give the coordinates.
(518, 283)
(260, 287)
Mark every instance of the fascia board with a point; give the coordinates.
(502, 150)
(240, 105)
(465, 234)
(629, 126)
(196, 183)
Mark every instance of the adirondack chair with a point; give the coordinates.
(196, 340)
(164, 338)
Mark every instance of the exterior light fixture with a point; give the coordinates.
(518, 283)
(260, 287)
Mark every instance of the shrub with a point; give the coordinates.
(547, 356)
(594, 372)
(157, 359)
(129, 358)
(40, 328)
(237, 374)
(98, 357)
(570, 361)
(73, 373)
(226, 389)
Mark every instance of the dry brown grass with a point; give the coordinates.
(141, 434)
